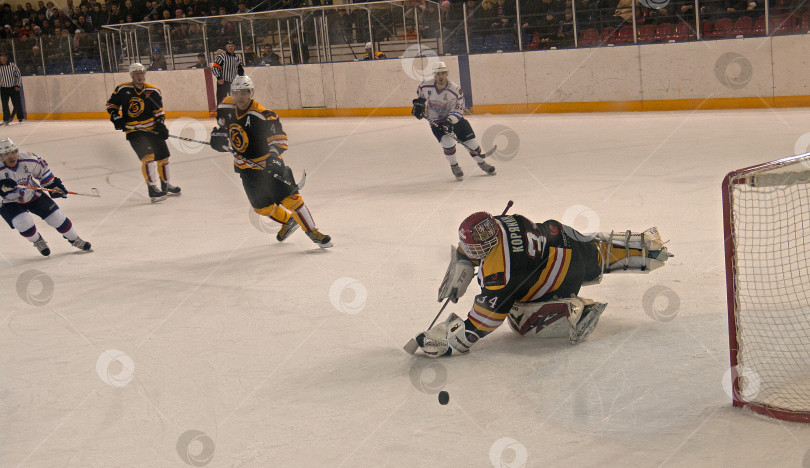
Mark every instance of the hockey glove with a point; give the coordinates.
(118, 121)
(446, 337)
(161, 130)
(56, 184)
(418, 110)
(445, 127)
(274, 164)
(220, 140)
(7, 186)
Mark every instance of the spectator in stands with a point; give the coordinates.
(81, 23)
(565, 35)
(410, 33)
(296, 53)
(624, 13)
(98, 16)
(250, 57)
(548, 21)
(201, 62)
(340, 27)
(370, 55)
(269, 57)
(502, 15)
(158, 61)
(242, 8)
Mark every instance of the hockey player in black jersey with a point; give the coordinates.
(254, 135)
(530, 275)
(136, 108)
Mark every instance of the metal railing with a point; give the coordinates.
(339, 32)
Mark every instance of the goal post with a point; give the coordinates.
(766, 218)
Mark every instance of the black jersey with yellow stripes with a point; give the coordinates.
(528, 263)
(254, 133)
(139, 108)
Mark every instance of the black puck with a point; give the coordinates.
(444, 397)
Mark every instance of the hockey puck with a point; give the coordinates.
(444, 397)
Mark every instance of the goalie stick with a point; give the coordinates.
(453, 136)
(93, 191)
(411, 346)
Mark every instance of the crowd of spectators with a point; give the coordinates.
(61, 37)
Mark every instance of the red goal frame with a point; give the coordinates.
(732, 178)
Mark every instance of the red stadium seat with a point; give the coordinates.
(781, 25)
(683, 32)
(608, 34)
(722, 28)
(743, 26)
(706, 28)
(589, 38)
(624, 36)
(662, 32)
(646, 33)
(804, 23)
(759, 27)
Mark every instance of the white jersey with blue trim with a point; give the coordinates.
(30, 168)
(444, 104)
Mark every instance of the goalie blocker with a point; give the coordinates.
(530, 274)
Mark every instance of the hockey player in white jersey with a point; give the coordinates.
(24, 169)
(441, 102)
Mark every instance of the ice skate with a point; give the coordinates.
(487, 168)
(287, 229)
(81, 244)
(457, 172)
(156, 195)
(42, 246)
(322, 240)
(171, 190)
(586, 324)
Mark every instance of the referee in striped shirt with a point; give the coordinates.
(226, 67)
(10, 82)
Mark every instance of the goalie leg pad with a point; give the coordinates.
(457, 278)
(533, 317)
(632, 251)
(587, 322)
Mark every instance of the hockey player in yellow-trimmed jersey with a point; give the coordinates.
(255, 137)
(136, 108)
(530, 275)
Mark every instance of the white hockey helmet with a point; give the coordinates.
(440, 67)
(478, 235)
(7, 146)
(243, 82)
(136, 67)
(368, 45)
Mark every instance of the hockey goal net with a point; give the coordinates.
(767, 246)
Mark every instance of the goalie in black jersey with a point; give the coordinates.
(141, 118)
(255, 137)
(530, 275)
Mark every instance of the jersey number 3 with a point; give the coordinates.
(535, 244)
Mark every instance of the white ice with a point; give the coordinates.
(241, 338)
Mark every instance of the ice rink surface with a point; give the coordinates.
(191, 336)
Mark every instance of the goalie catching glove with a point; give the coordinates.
(446, 337)
(459, 274)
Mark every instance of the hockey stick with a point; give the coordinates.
(453, 136)
(250, 163)
(93, 191)
(411, 346)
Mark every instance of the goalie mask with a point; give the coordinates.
(478, 235)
